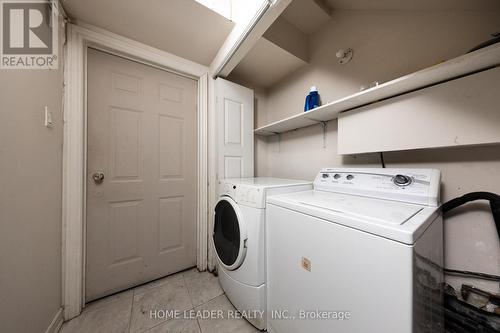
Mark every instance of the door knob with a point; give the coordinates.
(98, 177)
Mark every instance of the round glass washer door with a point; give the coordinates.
(229, 234)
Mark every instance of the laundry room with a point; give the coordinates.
(282, 166)
(387, 45)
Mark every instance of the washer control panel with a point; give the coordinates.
(419, 186)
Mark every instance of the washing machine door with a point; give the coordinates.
(229, 234)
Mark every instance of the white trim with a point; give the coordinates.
(79, 38)
(60, 9)
(212, 170)
(73, 169)
(232, 48)
(56, 323)
(132, 49)
(201, 261)
(245, 35)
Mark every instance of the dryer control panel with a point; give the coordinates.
(252, 192)
(242, 194)
(418, 186)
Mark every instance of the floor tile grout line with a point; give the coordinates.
(169, 319)
(188, 291)
(188, 309)
(211, 299)
(196, 306)
(191, 298)
(199, 325)
(131, 311)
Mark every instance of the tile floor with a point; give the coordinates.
(129, 311)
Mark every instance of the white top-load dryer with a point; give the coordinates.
(239, 240)
(362, 252)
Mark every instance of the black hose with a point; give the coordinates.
(484, 276)
(493, 198)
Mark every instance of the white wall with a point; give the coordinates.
(387, 45)
(30, 198)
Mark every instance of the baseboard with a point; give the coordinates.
(56, 323)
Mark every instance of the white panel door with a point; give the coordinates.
(142, 139)
(235, 109)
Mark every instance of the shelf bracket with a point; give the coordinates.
(279, 141)
(324, 124)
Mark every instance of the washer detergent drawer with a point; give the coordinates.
(356, 281)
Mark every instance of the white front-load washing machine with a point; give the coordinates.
(239, 240)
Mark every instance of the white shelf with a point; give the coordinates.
(466, 64)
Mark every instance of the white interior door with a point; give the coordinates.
(235, 112)
(142, 174)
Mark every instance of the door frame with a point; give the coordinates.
(78, 39)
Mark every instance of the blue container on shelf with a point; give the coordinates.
(312, 100)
